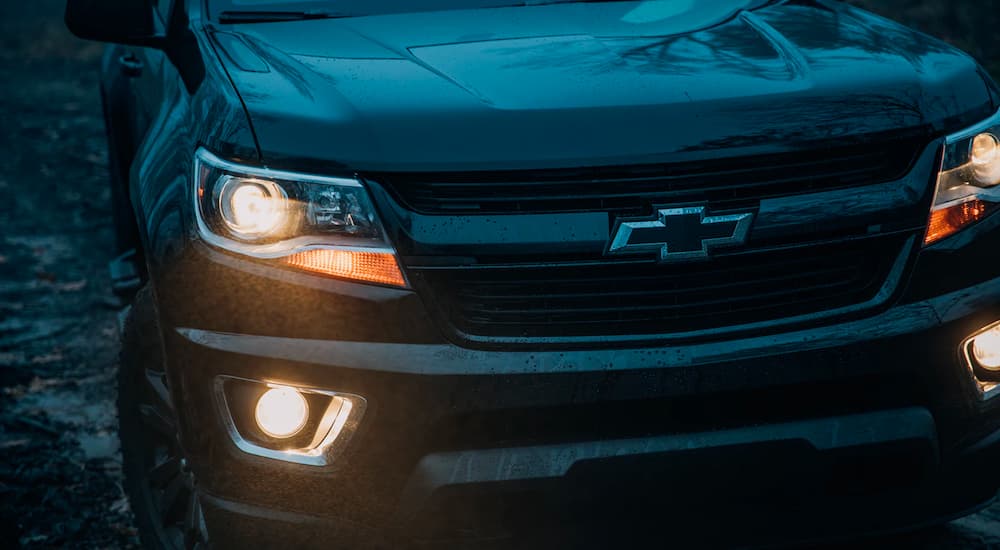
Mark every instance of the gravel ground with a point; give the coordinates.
(60, 468)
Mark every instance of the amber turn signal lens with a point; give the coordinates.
(373, 267)
(948, 221)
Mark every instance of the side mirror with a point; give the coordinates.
(121, 21)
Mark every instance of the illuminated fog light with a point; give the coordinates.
(297, 424)
(281, 412)
(986, 349)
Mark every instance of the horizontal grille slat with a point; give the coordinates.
(642, 273)
(666, 181)
(692, 316)
(555, 295)
(666, 307)
(633, 188)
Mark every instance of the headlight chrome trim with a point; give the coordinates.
(973, 131)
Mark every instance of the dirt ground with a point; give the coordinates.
(60, 469)
(59, 465)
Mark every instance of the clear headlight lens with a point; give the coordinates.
(251, 208)
(320, 224)
(985, 149)
(967, 187)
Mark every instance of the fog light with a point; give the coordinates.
(303, 425)
(281, 412)
(986, 349)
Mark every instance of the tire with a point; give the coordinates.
(161, 489)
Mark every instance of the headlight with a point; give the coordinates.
(967, 187)
(320, 224)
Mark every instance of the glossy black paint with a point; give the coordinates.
(543, 88)
(572, 85)
(805, 75)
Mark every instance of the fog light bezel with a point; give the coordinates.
(987, 381)
(329, 442)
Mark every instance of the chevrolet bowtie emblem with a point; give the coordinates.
(679, 234)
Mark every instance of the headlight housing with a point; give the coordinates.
(968, 186)
(320, 224)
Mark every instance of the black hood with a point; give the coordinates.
(590, 84)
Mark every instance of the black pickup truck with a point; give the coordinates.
(505, 272)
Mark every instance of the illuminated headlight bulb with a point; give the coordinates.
(986, 349)
(985, 149)
(281, 412)
(252, 207)
(985, 159)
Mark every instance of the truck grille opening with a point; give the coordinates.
(630, 298)
(723, 183)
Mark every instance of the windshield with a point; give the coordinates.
(370, 7)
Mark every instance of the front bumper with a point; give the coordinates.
(694, 489)
(481, 445)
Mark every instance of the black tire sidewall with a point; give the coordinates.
(141, 349)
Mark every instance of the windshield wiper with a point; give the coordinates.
(270, 16)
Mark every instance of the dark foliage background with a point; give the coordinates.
(60, 471)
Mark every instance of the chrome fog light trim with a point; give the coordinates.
(327, 432)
